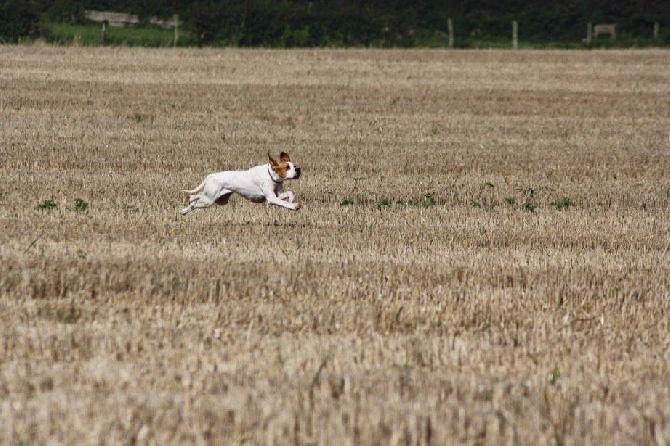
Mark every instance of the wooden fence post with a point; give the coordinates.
(657, 27)
(176, 28)
(450, 27)
(589, 32)
(515, 35)
(104, 33)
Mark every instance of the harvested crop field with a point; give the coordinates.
(482, 255)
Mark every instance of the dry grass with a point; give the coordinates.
(482, 256)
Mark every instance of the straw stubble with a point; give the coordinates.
(482, 254)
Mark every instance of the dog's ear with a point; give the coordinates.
(273, 162)
(284, 157)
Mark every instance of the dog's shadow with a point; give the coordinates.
(246, 223)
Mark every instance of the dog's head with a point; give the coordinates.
(284, 167)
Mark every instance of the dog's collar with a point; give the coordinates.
(271, 177)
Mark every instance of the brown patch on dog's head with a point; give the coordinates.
(280, 167)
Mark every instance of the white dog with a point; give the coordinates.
(259, 184)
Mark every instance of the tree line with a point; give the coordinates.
(300, 23)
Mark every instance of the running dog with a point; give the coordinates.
(260, 184)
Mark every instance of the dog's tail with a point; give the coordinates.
(196, 190)
(191, 195)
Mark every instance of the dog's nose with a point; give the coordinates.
(297, 172)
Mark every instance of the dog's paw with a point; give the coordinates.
(296, 206)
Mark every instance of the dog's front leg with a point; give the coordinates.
(287, 196)
(273, 199)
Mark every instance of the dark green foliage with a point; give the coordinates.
(383, 202)
(19, 19)
(47, 205)
(563, 203)
(299, 23)
(80, 205)
(429, 200)
(426, 201)
(529, 206)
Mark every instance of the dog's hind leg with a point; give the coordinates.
(200, 188)
(191, 198)
(191, 195)
(187, 209)
(202, 201)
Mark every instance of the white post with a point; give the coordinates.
(450, 27)
(657, 27)
(515, 35)
(104, 33)
(589, 32)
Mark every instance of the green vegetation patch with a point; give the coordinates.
(91, 35)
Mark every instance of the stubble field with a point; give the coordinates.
(482, 255)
